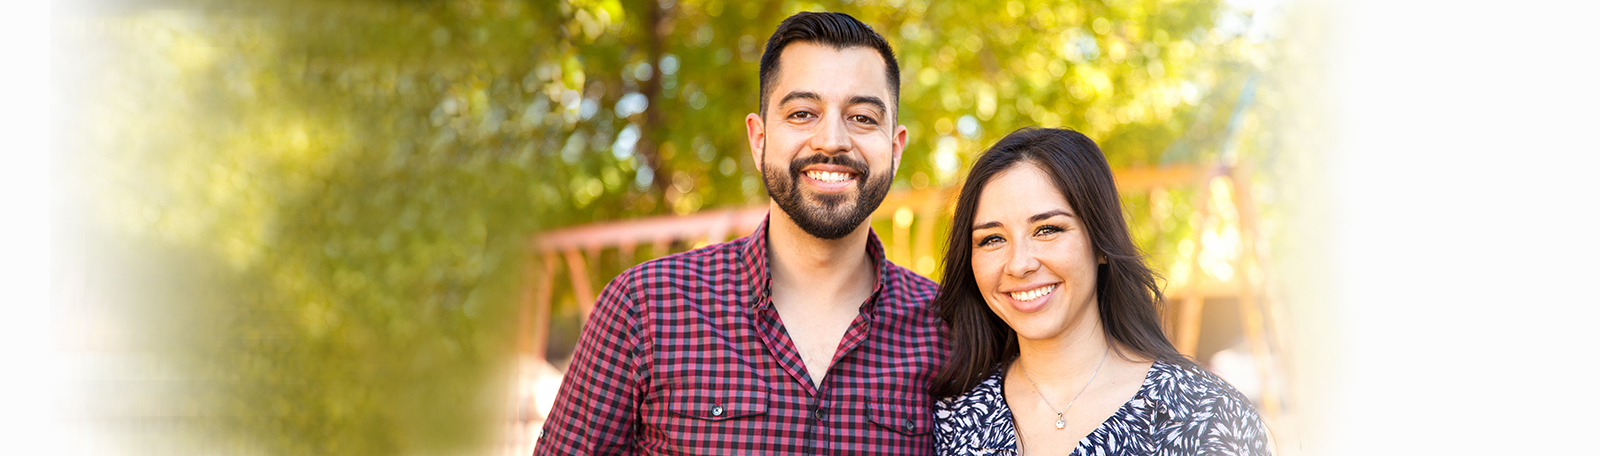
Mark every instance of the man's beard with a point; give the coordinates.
(827, 216)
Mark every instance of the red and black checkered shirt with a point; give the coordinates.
(686, 355)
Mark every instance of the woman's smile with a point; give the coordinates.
(1031, 298)
(1032, 294)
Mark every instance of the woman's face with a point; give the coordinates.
(1032, 257)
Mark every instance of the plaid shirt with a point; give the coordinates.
(686, 355)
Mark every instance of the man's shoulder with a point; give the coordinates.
(912, 286)
(721, 260)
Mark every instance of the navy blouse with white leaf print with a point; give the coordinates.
(1178, 411)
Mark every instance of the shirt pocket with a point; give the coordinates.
(901, 414)
(719, 399)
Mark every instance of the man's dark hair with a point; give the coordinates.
(838, 30)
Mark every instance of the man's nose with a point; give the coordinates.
(831, 136)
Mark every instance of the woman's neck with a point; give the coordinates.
(1069, 359)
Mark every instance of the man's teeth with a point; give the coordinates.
(828, 176)
(1033, 294)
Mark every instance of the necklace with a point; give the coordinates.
(1061, 415)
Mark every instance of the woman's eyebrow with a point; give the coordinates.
(1047, 214)
(1034, 219)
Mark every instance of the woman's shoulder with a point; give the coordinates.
(1203, 412)
(979, 399)
(975, 419)
(1192, 388)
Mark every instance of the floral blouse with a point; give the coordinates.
(1177, 411)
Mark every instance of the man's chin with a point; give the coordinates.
(826, 226)
(834, 203)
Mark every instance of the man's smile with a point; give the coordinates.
(829, 176)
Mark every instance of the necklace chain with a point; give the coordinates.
(1061, 420)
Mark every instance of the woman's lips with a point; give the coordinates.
(1031, 299)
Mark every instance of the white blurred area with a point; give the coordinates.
(31, 385)
(1462, 229)
(1238, 366)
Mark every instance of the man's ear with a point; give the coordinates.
(899, 147)
(756, 131)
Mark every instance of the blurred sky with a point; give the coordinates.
(1460, 221)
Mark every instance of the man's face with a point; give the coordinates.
(828, 145)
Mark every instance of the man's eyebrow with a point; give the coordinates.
(799, 95)
(871, 100)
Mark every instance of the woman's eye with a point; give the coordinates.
(1047, 230)
(988, 240)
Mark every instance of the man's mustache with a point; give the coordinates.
(856, 166)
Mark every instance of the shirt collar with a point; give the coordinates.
(758, 273)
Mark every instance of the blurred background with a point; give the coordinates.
(376, 226)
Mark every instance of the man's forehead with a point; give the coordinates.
(834, 74)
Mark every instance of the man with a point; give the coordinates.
(799, 339)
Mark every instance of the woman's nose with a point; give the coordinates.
(1022, 260)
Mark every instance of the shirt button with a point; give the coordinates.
(716, 410)
(817, 414)
(910, 426)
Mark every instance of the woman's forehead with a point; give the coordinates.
(1023, 190)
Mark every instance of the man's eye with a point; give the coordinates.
(802, 115)
(864, 119)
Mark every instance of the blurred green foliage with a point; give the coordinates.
(325, 204)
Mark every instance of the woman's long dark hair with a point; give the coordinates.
(1129, 298)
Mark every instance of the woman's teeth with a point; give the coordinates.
(828, 176)
(1033, 294)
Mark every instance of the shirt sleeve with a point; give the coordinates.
(597, 408)
(1235, 429)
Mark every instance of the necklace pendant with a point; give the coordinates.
(1061, 423)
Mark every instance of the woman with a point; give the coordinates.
(1057, 347)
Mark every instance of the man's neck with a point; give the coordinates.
(836, 271)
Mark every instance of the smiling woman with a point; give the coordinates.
(1027, 246)
(1042, 278)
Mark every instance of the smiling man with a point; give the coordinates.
(798, 339)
